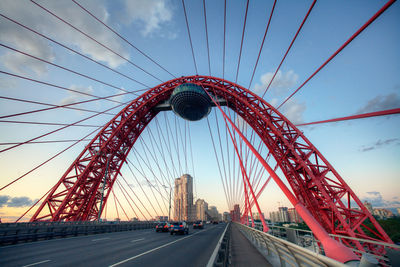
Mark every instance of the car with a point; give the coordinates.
(162, 227)
(179, 227)
(198, 225)
(215, 222)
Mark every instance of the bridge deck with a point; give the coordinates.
(243, 252)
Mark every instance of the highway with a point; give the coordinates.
(131, 248)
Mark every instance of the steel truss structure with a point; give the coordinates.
(317, 185)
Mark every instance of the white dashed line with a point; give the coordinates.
(36, 263)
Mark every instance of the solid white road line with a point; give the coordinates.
(36, 263)
(136, 240)
(157, 248)
(104, 238)
(214, 255)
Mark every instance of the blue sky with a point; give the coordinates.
(364, 77)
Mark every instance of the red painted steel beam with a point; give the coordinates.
(355, 117)
(333, 248)
(315, 184)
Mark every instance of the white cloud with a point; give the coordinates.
(34, 17)
(281, 83)
(75, 97)
(381, 102)
(376, 199)
(149, 13)
(294, 111)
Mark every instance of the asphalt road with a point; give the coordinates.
(132, 248)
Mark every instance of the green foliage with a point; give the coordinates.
(391, 227)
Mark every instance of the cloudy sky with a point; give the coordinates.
(58, 43)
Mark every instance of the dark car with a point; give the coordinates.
(162, 227)
(179, 227)
(198, 225)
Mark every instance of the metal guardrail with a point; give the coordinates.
(306, 239)
(221, 256)
(13, 233)
(280, 252)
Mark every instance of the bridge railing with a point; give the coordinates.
(13, 233)
(306, 239)
(280, 252)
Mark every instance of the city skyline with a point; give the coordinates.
(362, 78)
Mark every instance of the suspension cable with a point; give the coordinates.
(208, 47)
(47, 161)
(372, 19)
(120, 36)
(262, 43)
(223, 51)
(63, 68)
(359, 116)
(190, 38)
(57, 130)
(218, 164)
(93, 39)
(70, 49)
(241, 43)
(52, 106)
(46, 142)
(48, 123)
(137, 198)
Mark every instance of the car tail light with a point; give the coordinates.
(181, 225)
(166, 226)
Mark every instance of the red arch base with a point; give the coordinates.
(313, 180)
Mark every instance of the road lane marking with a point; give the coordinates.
(157, 248)
(36, 263)
(136, 240)
(214, 255)
(104, 238)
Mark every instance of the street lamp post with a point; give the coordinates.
(104, 185)
(169, 210)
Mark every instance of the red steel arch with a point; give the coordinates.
(314, 181)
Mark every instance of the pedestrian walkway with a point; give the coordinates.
(243, 252)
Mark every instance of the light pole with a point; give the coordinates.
(169, 210)
(104, 185)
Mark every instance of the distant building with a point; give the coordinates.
(162, 218)
(213, 213)
(368, 206)
(201, 207)
(283, 214)
(383, 213)
(257, 216)
(183, 198)
(134, 219)
(274, 216)
(226, 217)
(294, 217)
(235, 213)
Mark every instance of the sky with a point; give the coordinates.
(364, 77)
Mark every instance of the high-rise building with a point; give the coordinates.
(183, 198)
(294, 217)
(213, 213)
(201, 207)
(274, 216)
(226, 216)
(283, 214)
